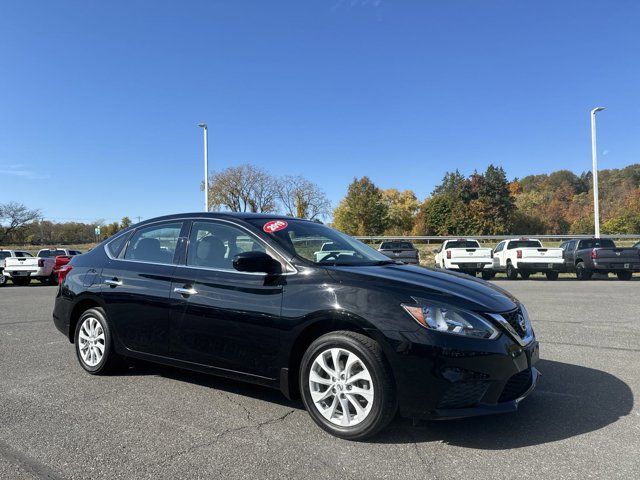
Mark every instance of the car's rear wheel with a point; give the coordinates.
(486, 275)
(624, 275)
(21, 281)
(347, 386)
(3, 279)
(582, 272)
(52, 279)
(94, 343)
(552, 275)
(525, 275)
(512, 273)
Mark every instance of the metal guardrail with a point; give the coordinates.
(440, 239)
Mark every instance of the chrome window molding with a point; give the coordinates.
(293, 271)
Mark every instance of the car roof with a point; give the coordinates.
(214, 215)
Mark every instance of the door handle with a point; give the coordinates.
(114, 282)
(185, 291)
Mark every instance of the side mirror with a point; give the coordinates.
(256, 262)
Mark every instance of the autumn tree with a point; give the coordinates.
(363, 211)
(302, 198)
(402, 209)
(245, 188)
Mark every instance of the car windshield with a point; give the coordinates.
(320, 244)
(463, 244)
(524, 244)
(5, 254)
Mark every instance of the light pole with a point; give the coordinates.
(594, 157)
(206, 167)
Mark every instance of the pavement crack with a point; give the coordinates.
(224, 433)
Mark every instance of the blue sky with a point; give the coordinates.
(99, 101)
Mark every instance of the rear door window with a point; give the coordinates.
(155, 244)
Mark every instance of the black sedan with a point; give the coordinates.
(263, 299)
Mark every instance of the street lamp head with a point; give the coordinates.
(597, 109)
(202, 125)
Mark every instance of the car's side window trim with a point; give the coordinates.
(288, 269)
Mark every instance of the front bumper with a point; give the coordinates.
(438, 377)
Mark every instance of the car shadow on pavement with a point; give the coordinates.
(257, 392)
(569, 400)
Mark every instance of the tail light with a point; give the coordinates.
(448, 254)
(518, 253)
(63, 272)
(594, 253)
(41, 262)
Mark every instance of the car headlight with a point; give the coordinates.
(450, 320)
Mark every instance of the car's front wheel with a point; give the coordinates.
(94, 343)
(3, 279)
(582, 272)
(347, 386)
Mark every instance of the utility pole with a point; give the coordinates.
(594, 158)
(206, 166)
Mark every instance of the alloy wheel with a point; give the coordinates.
(91, 341)
(341, 387)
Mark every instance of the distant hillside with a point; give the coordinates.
(562, 202)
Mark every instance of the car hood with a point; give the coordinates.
(455, 289)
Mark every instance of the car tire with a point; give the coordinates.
(512, 273)
(525, 275)
(3, 279)
(21, 281)
(624, 275)
(487, 275)
(94, 343)
(582, 272)
(552, 275)
(330, 397)
(52, 279)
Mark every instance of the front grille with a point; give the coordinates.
(516, 386)
(512, 317)
(464, 394)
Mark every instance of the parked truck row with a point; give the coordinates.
(521, 257)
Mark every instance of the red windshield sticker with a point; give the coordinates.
(275, 226)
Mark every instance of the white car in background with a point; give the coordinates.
(4, 254)
(465, 255)
(525, 256)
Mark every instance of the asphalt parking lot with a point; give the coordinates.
(56, 421)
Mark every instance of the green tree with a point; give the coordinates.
(363, 211)
(125, 222)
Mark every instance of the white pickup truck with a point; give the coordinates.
(465, 255)
(22, 269)
(4, 254)
(526, 256)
